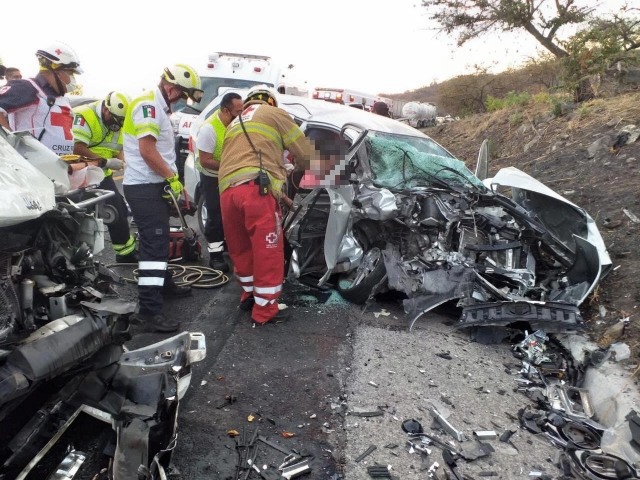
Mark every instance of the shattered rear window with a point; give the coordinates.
(403, 162)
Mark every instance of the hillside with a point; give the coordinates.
(573, 155)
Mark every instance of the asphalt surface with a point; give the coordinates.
(311, 377)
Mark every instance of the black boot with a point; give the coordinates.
(176, 291)
(216, 261)
(247, 305)
(159, 322)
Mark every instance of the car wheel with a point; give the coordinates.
(356, 286)
(202, 214)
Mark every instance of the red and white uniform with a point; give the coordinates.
(33, 105)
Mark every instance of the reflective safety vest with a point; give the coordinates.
(219, 129)
(103, 142)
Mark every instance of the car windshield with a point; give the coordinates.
(402, 161)
(211, 87)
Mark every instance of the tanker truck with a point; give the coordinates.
(419, 115)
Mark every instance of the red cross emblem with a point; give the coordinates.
(58, 51)
(272, 238)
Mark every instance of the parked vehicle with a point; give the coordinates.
(345, 96)
(62, 330)
(395, 106)
(231, 70)
(420, 115)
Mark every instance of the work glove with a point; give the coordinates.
(175, 185)
(114, 164)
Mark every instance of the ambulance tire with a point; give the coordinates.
(202, 213)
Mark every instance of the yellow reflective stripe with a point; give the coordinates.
(253, 127)
(291, 136)
(147, 127)
(225, 182)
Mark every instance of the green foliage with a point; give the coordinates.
(541, 98)
(515, 99)
(594, 49)
(494, 104)
(584, 111)
(515, 118)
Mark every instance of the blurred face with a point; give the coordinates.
(14, 75)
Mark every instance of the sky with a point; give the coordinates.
(368, 45)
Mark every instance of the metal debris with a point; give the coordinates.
(450, 429)
(485, 435)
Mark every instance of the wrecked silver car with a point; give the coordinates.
(74, 402)
(399, 212)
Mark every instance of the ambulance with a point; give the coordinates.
(344, 96)
(230, 70)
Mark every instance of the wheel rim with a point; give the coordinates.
(203, 214)
(366, 267)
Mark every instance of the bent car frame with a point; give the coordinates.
(398, 211)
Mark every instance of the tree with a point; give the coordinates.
(467, 94)
(606, 41)
(541, 18)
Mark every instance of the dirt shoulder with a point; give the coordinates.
(573, 154)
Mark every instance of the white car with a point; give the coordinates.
(399, 212)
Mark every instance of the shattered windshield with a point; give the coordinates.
(400, 161)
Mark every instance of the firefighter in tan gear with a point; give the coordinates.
(251, 178)
(97, 134)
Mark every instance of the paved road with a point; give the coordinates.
(307, 375)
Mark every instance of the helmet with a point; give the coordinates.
(117, 103)
(185, 78)
(264, 93)
(58, 56)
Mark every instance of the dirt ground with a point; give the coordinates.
(603, 182)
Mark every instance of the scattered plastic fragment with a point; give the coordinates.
(412, 426)
(313, 416)
(288, 434)
(485, 435)
(233, 433)
(203, 382)
(373, 384)
(250, 418)
(382, 313)
(366, 453)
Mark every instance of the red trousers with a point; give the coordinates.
(253, 231)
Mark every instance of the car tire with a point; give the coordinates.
(202, 214)
(356, 286)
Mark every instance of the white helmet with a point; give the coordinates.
(264, 93)
(59, 56)
(117, 103)
(186, 78)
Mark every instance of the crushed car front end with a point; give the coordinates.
(414, 219)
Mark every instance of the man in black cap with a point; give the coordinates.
(381, 108)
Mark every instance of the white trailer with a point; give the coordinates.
(420, 115)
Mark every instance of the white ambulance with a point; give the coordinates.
(230, 70)
(345, 96)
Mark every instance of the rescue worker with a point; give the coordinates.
(209, 147)
(97, 133)
(39, 105)
(151, 166)
(255, 143)
(13, 73)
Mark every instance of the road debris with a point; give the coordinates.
(412, 426)
(379, 472)
(364, 412)
(373, 384)
(450, 429)
(366, 453)
(485, 435)
(288, 434)
(631, 215)
(381, 313)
